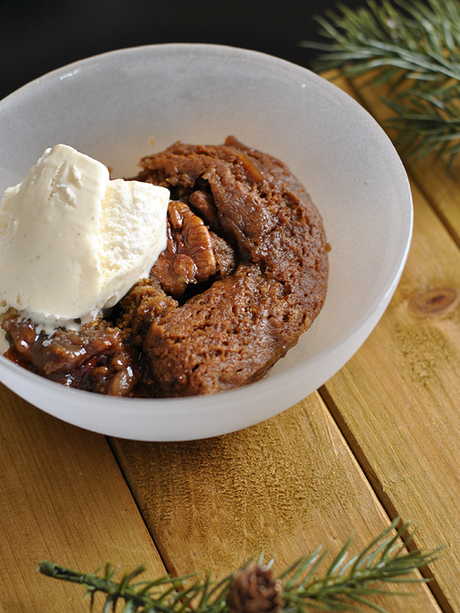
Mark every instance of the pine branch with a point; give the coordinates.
(382, 562)
(343, 586)
(412, 48)
(164, 594)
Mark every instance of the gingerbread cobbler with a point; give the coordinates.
(243, 275)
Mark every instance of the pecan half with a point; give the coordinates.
(190, 255)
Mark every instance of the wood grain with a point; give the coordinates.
(398, 398)
(62, 498)
(283, 487)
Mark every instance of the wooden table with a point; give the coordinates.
(380, 439)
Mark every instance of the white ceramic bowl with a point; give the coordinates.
(122, 105)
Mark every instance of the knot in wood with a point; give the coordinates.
(434, 301)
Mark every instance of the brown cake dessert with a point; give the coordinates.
(243, 276)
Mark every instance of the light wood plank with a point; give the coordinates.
(398, 398)
(283, 487)
(441, 187)
(62, 498)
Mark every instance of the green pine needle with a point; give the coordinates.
(411, 47)
(345, 585)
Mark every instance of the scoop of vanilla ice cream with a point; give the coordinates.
(133, 234)
(73, 242)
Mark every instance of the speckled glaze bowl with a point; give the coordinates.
(122, 105)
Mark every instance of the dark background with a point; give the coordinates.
(39, 36)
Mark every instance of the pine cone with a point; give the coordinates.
(254, 590)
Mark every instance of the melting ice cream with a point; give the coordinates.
(73, 242)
